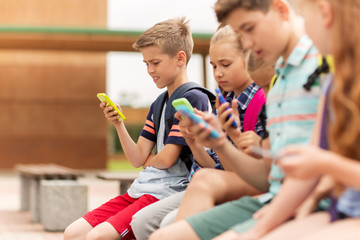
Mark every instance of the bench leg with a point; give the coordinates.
(35, 199)
(24, 193)
(125, 185)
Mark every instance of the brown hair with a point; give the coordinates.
(224, 7)
(171, 36)
(344, 134)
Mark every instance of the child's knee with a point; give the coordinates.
(96, 235)
(202, 180)
(157, 235)
(73, 231)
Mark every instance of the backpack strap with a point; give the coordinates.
(252, 110)
(170, 111)
(157, 109)
(179, 93)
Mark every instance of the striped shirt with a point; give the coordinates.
(291, 110)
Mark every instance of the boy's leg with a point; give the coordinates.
(210, 187)
(103, 231)
(211, 223)
(169, 219)
(148, 219)
(121, 221)
(81, 227)
(77, 230)
(177, 231)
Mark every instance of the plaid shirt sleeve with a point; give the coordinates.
(196, 166)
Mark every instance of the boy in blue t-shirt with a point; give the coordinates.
(166, 49)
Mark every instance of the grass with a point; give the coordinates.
(120, 165)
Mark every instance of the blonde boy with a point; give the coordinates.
(272, 30)
(166, 49)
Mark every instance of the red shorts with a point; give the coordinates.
(118, 212)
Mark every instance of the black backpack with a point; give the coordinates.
(185, 154)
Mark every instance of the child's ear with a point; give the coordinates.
(326, 12)
(282, 7)
(181, 57)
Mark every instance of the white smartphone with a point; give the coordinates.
(263, 153)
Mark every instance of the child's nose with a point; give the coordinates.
(247, 42)
(218, 73)
(150, 69)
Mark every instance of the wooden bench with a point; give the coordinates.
(125, 179)
(30, 177)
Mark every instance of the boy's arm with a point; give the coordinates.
(254, 171)
(136, 153)
(164, 159)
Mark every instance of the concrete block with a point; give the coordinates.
(62, 202)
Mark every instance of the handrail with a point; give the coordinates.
(79, 38)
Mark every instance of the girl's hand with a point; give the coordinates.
(202, 134)
(300, 161)
(184, 129)
(247, 139)
(110, 114)
(226, 121)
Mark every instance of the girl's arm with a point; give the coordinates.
(309, 162)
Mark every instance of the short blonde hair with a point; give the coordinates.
(171, 36)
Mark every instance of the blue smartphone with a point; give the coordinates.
(222, 101)
(183, 106)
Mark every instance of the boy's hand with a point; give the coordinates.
(110, 114)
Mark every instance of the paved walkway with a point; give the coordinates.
(17, 225)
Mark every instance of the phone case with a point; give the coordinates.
(183, 102)
(186, 110)
(222, 101)
(104, 98)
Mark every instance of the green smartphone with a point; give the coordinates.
(183, 106)
(183, 102)
(104, 98)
